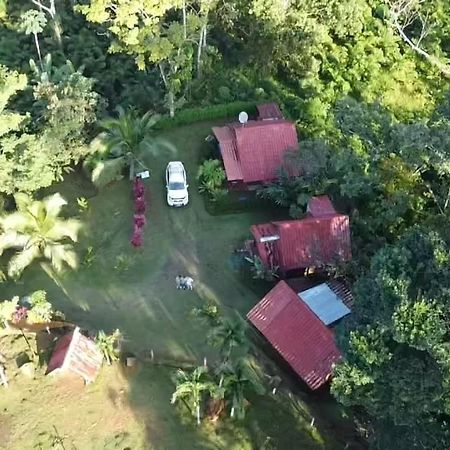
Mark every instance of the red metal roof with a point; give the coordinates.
(269, 111)
(297, 334)
(321, 206)
(255, 151)
(312, 241)
(78, 354)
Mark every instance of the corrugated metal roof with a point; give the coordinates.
(269, 111)
(320, 206)
(297, 334)
(306, 242)
(255, 151)
(324, 303)
(78, 354)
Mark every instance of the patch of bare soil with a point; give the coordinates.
(5, 431)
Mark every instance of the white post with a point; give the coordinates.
(3, 377)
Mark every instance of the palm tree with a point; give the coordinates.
(237, 379)
(37, 231)
(190, 387)
(108, 344)
(228, 335)
(33, 22)
(125, 139)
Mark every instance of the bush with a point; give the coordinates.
(193, 115)
(211, 176)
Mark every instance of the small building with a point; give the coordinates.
(254, 152)
(76, 353)
(297, 326)
(319, 239)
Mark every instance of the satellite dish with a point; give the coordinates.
(243, 117)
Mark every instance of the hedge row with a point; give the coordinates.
(192, 115)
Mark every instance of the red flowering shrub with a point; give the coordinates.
(139, 209)
(139, 220)
(138, 188)
(139, 205)
(19, 314)
(136, 240)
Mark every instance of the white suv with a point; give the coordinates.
(177, 193)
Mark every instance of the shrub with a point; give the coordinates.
(139, 205)
(211, 176)
(136, 240)
(139, 220)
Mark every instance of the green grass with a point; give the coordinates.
(142, 301)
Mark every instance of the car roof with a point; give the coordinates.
(175, 166)
(176, 171)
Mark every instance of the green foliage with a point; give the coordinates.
(7, 309)
(120, 145)
(210, 112)
(191, 387)
(228, 335)
(208, 313)
(396, 366)
(36, 231)
(33, 22)
(237, 379)
(144, 31)
(89, 257)
(33, 155)
(41, 310)
(109, 345)
(210, 176)
(123, 263)
(420, 324)
(260, 271)
(83, 204)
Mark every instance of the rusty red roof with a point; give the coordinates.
(321, 206)
(302, 243)
(269, 111)
(255, 151)
(77, 354)
(297, 334)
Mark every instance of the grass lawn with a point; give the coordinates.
(134, 290)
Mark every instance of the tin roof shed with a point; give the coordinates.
(78, 354)
(298, 335)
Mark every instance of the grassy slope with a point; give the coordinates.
(143, 302)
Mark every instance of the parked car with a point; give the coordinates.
(176, 184)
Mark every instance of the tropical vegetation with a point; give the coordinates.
(90, 85)
(36, 231)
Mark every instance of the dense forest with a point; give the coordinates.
(367, 84)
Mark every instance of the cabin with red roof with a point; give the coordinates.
(253, 152)
(77, 354)
(319, 239)
(297, 328)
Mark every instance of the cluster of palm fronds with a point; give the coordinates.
(228, 382)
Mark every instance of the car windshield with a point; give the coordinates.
(176, 186)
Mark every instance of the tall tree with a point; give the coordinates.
(229, 334)
(123, 142)
(36, 232)
(33, 22)
(237, 379)
(396, 344)
(37, 147)
(143, 29)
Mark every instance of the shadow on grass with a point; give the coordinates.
(272, 422)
